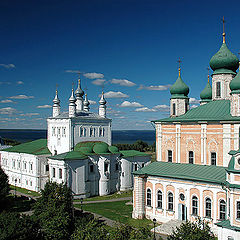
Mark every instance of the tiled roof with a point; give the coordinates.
(37, 147)
(184, 171)
(213, 111)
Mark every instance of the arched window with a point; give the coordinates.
(194, 205)
(222, 208)
(174, 109)
(159, 199)
(238, 210)
(170, 201)
(208, 206)
(213, 158)
(190, 157)
(149, 197)
(218, 89)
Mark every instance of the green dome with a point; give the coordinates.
(113, 149)
(179, 88)
(224, 59)
(206, 92)
(235, 83)
(85, 150)
(101, 148)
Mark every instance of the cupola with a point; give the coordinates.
(86, 104)
(206, 94)
(235, 84)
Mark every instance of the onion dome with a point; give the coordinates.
(79, 92)
(56, 99)
(113, 149)
(179, 89)
(102, 101)
(72, 99)
(101, 148)
(206, 93)
(86, 150)
(86, 102)
(235, 84)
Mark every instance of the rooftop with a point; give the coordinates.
(213, 111)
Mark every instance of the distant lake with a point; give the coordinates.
(118, 136)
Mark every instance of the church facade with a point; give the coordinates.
(77, 152)
(197, 152)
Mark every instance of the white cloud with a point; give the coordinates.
(130, 104)
(21, 97)
(19, 82)
(112, 94)
(29, 114)
(99, 82)
(8, 65)
(145, 109)
(93, 75)
(123, 82)
(92, 102)
(162, 108)
(156, 88)
(44, 106)
(193, 101)
(8, 83)
(6, 101)
(7, 110)
(121, 117)
(72, 71)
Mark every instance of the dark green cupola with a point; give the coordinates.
(235, 84)
(206, 94)
(179, 89)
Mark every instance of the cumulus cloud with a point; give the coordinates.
(145, 109)
(193, 101)
(93, 75)
(72, 71)
(7, 65)
(44, 106)
(156, 88)
(6, 101)
(130, 104)
(112, 94)
(21, 97)
(123, 82)
(29, 114)
(8, 110)
(7, 83)
(92, 102)
(99, 82)
(19, 82)
(162, 108)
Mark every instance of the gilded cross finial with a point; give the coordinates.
(224, 34)
(56, 88)
(72, 85)
(179, 68)
(208, 73)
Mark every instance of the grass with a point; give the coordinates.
(107, 197)
(25, 191)
(117, 211)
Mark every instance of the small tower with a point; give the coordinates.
(102, 106)
(206, 94)
(72, 105)
(235, 95)
(224, 65)
(86, 104)
(79, 96)
(56, 105)
(179, 103)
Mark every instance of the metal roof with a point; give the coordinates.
(218, 110)
(185, 171)
(73, 155)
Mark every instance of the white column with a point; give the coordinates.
(176, 202)
(154, 198)
(165, 200)
(201, 202)
(159, 141)
(226, 144)
(178, 137)
(203, 144)
(215, 203)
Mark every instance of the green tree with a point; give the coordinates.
(193, 230)
(14, 226)
(141, 146)
(54, 211)
(4, 187)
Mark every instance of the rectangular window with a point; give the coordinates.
(91, 168)
(169, 155)
(174, 109)
(190, 157)
(218, 89)
(31, 166)
(213, 158)
(105, 167)
(47, 168)
(116, 167)
(135, 167)
(25, 166)
(60, 173)
(54, 172)
(91, 132)
(238, 210)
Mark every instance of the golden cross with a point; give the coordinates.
(179, 62)
(223, 21)
(56, 87)
(208, 73)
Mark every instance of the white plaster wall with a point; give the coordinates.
(180, 106)
(226, 234)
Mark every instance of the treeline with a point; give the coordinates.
(139, 145)
(10, 142)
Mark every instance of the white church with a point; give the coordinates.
(77, 152)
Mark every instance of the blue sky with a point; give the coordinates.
(131, 46)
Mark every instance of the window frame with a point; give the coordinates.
(222, 212)
(238, 210)
(60, 174)
(174, 109)
(208, 201)
(149, 198)
(194, 206)
(212, 158)
(218, 89)
(170, 156)
(191, 158)
(159, 199)
(170, 205)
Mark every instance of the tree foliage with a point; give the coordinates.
(139, 145)
(4, 186)
(193, 230)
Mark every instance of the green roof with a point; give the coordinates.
(226, 224)
(185, 171)
(218, 110)
(179, 88)
(206, 92)
(73, 155)
(37, 147)
(132, 153)
(235, 83)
